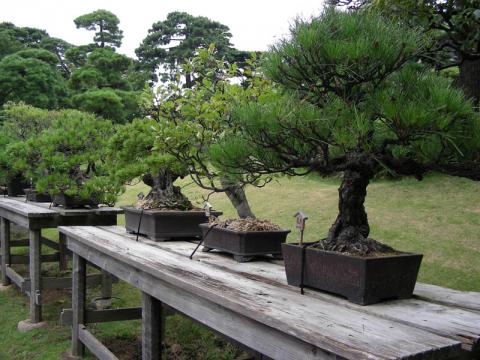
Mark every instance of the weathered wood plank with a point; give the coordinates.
(464, 299)
(29, 210)
(447, 321)
(152, 328)
(356, 335)
(5, 248)
(96, 347)
(100, 316)
(79, 296)
(62, 283)
(35, 274)
(18, 280)
(25, 259)
(252, 334)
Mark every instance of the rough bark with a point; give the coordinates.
(349, 232)
(238, 198)
(469, 79)
(164, 195)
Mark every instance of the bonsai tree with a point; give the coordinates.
(132, 156)
(194, 118)
(351, 101)
(19, 122)
(70, 157)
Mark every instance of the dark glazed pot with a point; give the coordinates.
(244, 245)
(35, 196)
(362, 280)
(72, 202)
(16, 185)
(160, 225)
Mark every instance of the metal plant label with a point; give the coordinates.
(208, 208)
(300, 224)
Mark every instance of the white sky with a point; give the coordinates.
(254, 24)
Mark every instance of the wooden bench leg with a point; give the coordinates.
(79, 295)
(62, 249)
(107, 281)
(35, 282)
(153, 327)
(5, 248)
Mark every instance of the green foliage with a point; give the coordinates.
(105, 25)
(351, 100)
(172, 42)
(195, 118)
(102, 86)
(132, 155)
(70, 157)
(19, 122)
(31, 76)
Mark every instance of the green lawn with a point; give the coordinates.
(439, 217)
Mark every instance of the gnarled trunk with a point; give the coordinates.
(164, 195)
(349, 232)
(236, 195)
(469, 79)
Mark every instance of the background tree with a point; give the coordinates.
(353, 103)
(31, 76)
(170, 43)
(105, 24)
(132, 156)
(103, 86)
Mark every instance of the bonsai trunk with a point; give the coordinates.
(350, 231)
(164, 195)
(469, 79)
(238, 198)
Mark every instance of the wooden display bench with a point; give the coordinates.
(252, 304)
(34, 217)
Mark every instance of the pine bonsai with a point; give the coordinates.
(132, 156)
(69, 158)
(350, 100)
(19, 122)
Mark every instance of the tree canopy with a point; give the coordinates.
(172, 42)
(105, 24)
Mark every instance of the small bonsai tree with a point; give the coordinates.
(19, 122)
(132, 156)
(351, 102)
(70, 157)
(196, 117)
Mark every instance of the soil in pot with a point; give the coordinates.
(16, 185)
(72, 202)
(164, 224)
(246, 239)
(34, 196)
(362, 279)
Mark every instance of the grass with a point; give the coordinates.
(438, 217)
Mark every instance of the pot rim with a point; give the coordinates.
(171, 212)
(400, 253)
(283, 231)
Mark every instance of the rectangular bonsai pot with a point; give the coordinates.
(243, 245)
(362, 280)
(35, 196)
(72, 202)
(161, 225)
(16, 185)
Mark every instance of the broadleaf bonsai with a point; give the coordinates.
(352, 101)
(196, 116)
